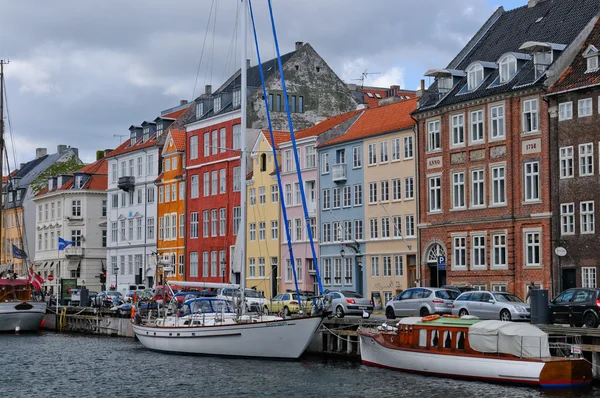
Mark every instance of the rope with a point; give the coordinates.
(298, 170)
(338, 335)
(279, 183)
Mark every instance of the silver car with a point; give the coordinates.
(421, 301)
(492, 305)
(348, 302)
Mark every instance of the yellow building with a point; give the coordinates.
(263, 218)
(12, 234)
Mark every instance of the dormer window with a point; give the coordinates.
(133, 138)
(146, 135)
(237, 98)
(444, 84)
(78, 182)
(542, 60)
(591, 54)
(474, 76)
(159, 130)
(217, 105)
(508, 67)
(199, 109)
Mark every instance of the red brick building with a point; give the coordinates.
(484, 166)
(574, 114)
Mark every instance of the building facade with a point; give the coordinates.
(73, 207)
(484, 170)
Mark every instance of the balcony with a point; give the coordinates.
(338, 172)
(126, 183)
(74, 252)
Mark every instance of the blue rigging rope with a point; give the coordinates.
(289, 118)
(279, 184)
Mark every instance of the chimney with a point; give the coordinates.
(40, 152)
(107, 151)
(182, 102)
(247, 63)
(533, 3)
(208, 89)
(421, 90)
(75, 151)
(299, 45)
(60, 148)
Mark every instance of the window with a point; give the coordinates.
(587, 217)
(408, 147)
(206, 184)
(497, 124)
(530, 115)
(396, 149)
(588, 277)
(567, 218)
(217, 104)
(396, 189)
(565, 111)
(459, 251)
(398, 266)
(478, 258)
(397, 225)
(75, 208)
(274, 230)
(181, 270)
(373, 228)
(182, 225)
(372, 192)
(167, 234)
(347, 196)
(348, 271)
(182, 190)
(167, 193)
(326, 198)
(385, 227)
(237, 215)
(532, 181)
(214, 142)
(326, 270)
(300, 104)
(499, 250)
(115, 201)
(261, 230)
(113, 171)
(356, 157)
(410, 226)
(458, 129)
(261, 266)
(383, 152)
(114, 232)
(288, 161)
(299, 269)
(336, 198)
(252, 231)
(566, 162)
(274, 194)
(76, 237)
(150, 228)
(214, 182)
(262, 195)
(213, 222)
(213, 263)
(289, 272)
(358, 195)
(458, 190)
(372, 154)
(222, 140)
(592, 63)
(374, 266)
(584, 107)
(408, 188)
(298, 197)
(205, 264)
(532, 248)
(508, 68)
(173, 193)
(385, 191)
(435, 194)
(477, 133)
(222, 222)
(358, 229)
(324, 163)
(326, 232)
(433, 136)
(237, 179)
(474, 76)
(498, 185)
(194, 224)
(150, 195)
(237, 136)
(586, 159)
(167, 164)
(387, 265)
(347, 231)
(223, 181)
(138, 228)
(311, 157)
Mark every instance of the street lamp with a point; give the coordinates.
(342, 253)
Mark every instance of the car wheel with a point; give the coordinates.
(424, 312)
(389, 313)
(505, 315)
(286, 311)
(463, 312)
(339, 311)
(590, 321)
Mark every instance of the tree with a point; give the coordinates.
(58, 168)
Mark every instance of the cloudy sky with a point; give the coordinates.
(82, 71)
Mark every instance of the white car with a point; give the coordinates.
(255, 301)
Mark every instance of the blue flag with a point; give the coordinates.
(18, 253)
(64, 243)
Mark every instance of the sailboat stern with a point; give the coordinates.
(566, 373)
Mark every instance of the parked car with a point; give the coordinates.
(108, 299)
(459, 289)
(577, 307)
(421, 301)
(492, 305)
(287, 303)
(255, 301)
(183, 296)
(348, 302)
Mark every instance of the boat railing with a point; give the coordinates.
(568, 345)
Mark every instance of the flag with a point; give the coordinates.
(64, 243)
(35, 280)
(18, 253)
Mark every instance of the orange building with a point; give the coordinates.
(171, 209)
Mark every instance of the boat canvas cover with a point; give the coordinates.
(522, 340)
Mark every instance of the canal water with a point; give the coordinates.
(51, 365)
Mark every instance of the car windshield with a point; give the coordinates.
(349, 293)
(446, 294)
(507, 298)
(252, 293)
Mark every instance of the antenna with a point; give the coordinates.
(364, 75)
(120, 136)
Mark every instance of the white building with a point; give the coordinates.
(73, 207)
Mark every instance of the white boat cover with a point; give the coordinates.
(522, 340)
(411, 320)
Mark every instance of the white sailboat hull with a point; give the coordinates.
(286, 339)
(515, 371)
(26, 320)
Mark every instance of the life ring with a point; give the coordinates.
(430, 318)
(450, 316)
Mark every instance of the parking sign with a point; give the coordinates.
(441, 263)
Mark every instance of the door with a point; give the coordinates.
(487, 307)
(416, 299)
(559, 307)
(569, 278)
(311, 198)
(474, 304)
(581, 300)
(275, 303)
(274, 284)
(401, 302)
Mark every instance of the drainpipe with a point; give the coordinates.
(417, 201)
(553, 142)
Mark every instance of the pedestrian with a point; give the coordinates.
(529, 289)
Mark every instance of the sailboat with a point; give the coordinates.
(18, 310)
(210, 326)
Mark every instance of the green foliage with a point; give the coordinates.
(99, 154)
(58, 168)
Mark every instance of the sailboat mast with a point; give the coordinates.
(243, 154)
(1, 151)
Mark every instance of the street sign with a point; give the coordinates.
(51, 277)
(441, 263)
(560, 251)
